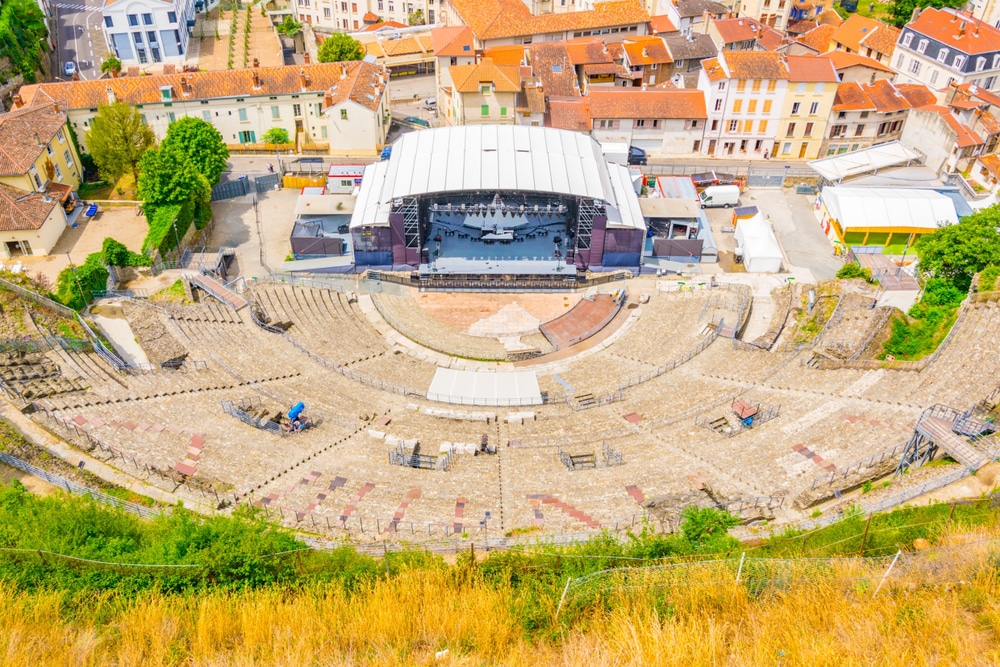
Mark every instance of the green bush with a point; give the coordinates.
(161, 234)
(75, 283)
(116, 254)
(852, 270)
(988, 279)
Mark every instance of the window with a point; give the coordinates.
(756, 85)
(838, 131)
(996, 61)
(733, 125)
(942, 55)
(859, 130)
(58, 172)
(343, 114)
(343, 6)
(772, 85)
(722, 85)
(108, 23)
(275, 113)
(990, 80)
(34, 175)
(921, 46)
(718, 105)
(172, 17)
(243, 115)
(934, 76)
(741, 85)
(752, 106)
(907, 39)
(791, 130)
(800, 89)
(503, 111)
(326, 12)
(484, 110)
(864, 114)
(640, 123)
(767, 106)
(737, 106)
(59, 136)
(809, 130)
(247, 137)
(795, 108)
(958, 62)
(484, 89)
(147, 19)
(171, 117)
(319, 109)
(322, 131)
(762, 126)
(819, 88)
(297, 110)
(747, 126)
(354, 6)
(980, 64)
(715, 126)
(915, 67)
(881, 128)
(206, 115)
(813, 108)
(786, 147)
(694, 124)
(133, 19)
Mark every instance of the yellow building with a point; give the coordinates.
(35, 149)
(812, 87)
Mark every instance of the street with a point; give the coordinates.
(79, 38)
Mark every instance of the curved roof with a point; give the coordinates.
(497, 157)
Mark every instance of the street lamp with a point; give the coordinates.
(176, 238)
(77, 278)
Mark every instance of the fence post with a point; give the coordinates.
(864, 538)
(563, 597)
(739, 571)
(886, 575)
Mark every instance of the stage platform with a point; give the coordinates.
(495, 244)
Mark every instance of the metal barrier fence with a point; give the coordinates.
(38, 298)
(79, 489)
(670, 365)
(239, 411)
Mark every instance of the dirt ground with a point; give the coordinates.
(30, 482)
(461, 310)
(985, 480)
(120, 223)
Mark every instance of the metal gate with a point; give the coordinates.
(267, 182)
(237, 188)
(766, 178)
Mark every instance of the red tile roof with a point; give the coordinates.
(754, 65)
(851, 97)
(19, 148)
(945, 26)
(991, 163)
(811, 69)
(588, 50)
(856, 28)
(512, 54)
(497, 19)
(551, 65)
(638, 103)
(658, 24)
(964, 136)
(917, 94)
(646, 50)
(843, 60)
(746, 29)
(882, 40)
(385, 24)
(972, 91)
(452, 40)
(468, 78)
(20, 211)
(882, 96)
(989, 123)
(818, 38)
(568, 113)
(361, 84)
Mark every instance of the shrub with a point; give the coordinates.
(852, 270)
(116, 254)
(75, 283)
(988, 279)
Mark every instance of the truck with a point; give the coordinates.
(715, 196)
(617, 153)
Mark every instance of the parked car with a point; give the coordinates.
(386, 152)
(431, 103)
(636, 155)
(69, 68)
(416, 121)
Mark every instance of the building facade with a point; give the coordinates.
(146, 32)
(669, 122)
(869, 114)
(329, 16)
(483, 94)
(812, 88)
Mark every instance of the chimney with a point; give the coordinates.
(185, 86)
(303, 79)
(256, 79)
(343, 72)
(18, 101)
(961, 29)
(37, 140)
(256, 63)
(111, 94)
(306, 58)
(327, 101)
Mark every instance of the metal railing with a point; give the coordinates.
(670, 365)
(239, 410)
(857, 466)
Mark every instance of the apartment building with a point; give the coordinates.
(865, 36)
(483, 93)
(336, 108)
(144, 32)
(743, 34)
(941, 47)
(355, 15)
(744, 93)
(867, 114)
(812, 88)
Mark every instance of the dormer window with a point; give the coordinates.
(907, 39)
(980, 64)
(942, 55)
(485, 88)
(922, 46)
(166, 93)
(958, 62)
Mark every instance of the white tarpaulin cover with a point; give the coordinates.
(761, 253)
(475, 388)
(862, 208)
(865, 161)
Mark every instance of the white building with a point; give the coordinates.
(142, 32)
(338, 108)
(944, 46)
(352, 15)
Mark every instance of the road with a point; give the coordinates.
(79, 37)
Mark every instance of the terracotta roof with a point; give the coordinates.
(551, 65)
(746, 29)
(886, 97)
(989, 123)
(943, 25)
(851, 97)
(531, 98)
(602, 68)
(854, 29)
(714, 70)
(452, 41)
(22, 211)
(992, 164)
(360, 85)
(18, 147)
(917, 94)
(964, 136)
(695, 8)
(829, 16)
(467, 78)
(972, 91)
(638, 103)
(588, 50)
(390, 48)
(698, 46)
(843, 60)
(800, 27)
(882, 40)
(818, 38)
(370, 17)
(512, 54)
(497, 19)
(658, 24)
(646, 50)
(570, 113)
(754, 65)
(385, 24)
(882, 96)
(811, 69)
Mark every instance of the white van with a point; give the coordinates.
(720, 195)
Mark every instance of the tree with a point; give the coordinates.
(201, 144)
(957, 252)
(117, 139)
(111, 64)
(416, 18)
(167, 177)
(290, 28)
(23, 34)
(901, 11)
(707, 528)
(75, 283)
(276, 135)
(338, 48)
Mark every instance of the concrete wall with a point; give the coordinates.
(929, 133)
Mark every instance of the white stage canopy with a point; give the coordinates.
(483, 388)
(865, 161)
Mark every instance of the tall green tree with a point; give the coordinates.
(901, 11)
(338, 48)
(201, 144)
(167, 176)
(117, 139)
(289, 27)
(276, 135)
(957, 252)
